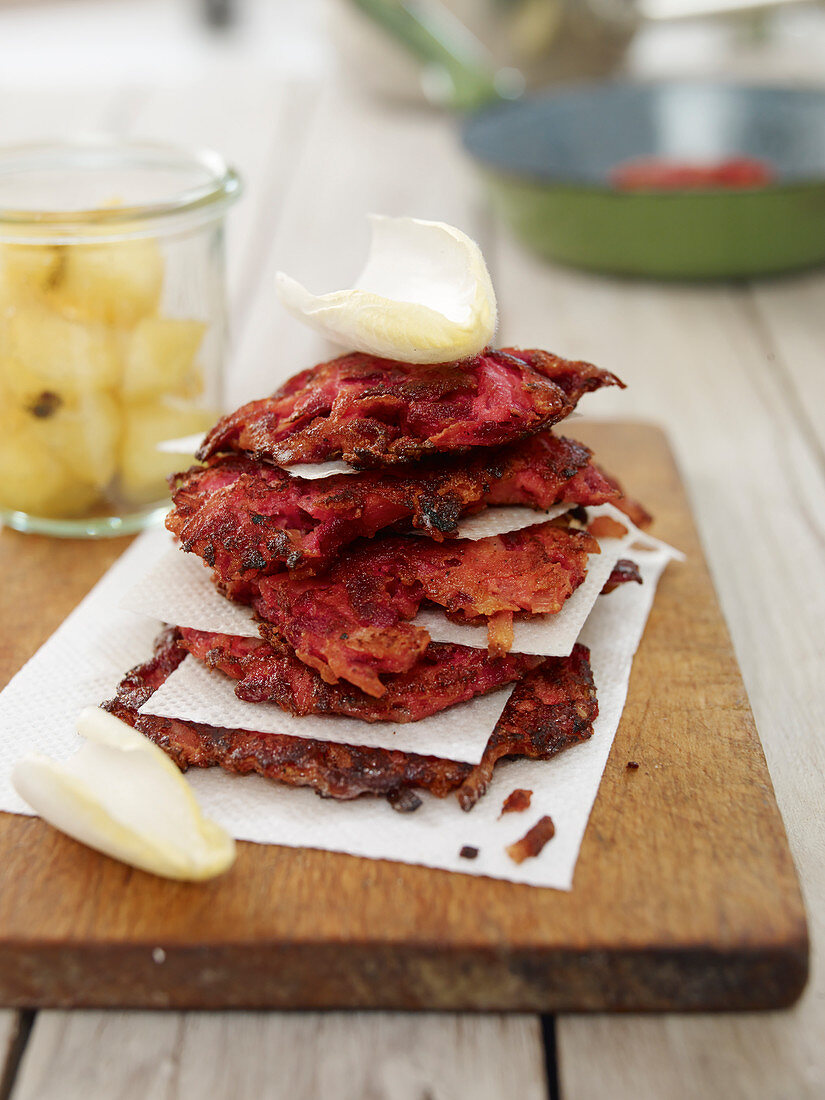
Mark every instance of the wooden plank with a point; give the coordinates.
(789, 314)
(83, 1054)
(705, 364)
(300, 1056)
(684, 897)
(681, 1057)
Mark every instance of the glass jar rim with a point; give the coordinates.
(203, 201)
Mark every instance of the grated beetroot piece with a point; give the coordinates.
(533, 842)
(573, 376)
(516, 802)
(624, 572)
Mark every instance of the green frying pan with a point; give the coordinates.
(548, 161)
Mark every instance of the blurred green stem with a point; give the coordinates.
(458, 69)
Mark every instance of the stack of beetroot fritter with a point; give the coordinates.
(337, 567)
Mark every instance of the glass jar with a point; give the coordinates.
(112, 327)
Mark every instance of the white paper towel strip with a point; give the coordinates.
(555, 635)
(500, 520)
(202, 695)
(177, 589)
(183, 445)
(189, 444)
(311, 471)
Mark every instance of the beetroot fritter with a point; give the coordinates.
(444, 675)
(333, 770)
(354, 622)
(553, 708)
(248, 519)
(347, 771)
(378, 412)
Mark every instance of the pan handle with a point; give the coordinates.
(458, 69)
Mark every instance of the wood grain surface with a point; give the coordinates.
(334, 1055)
(685, 894)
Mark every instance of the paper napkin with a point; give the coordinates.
(563, 787)
(83, 661)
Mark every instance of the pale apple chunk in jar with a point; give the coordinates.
(93, 377)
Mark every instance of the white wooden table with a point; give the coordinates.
(736, 373)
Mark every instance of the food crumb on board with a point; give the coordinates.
(517, 802)
(468, 852)
(533, 841)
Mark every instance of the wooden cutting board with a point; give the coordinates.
(685, 895)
